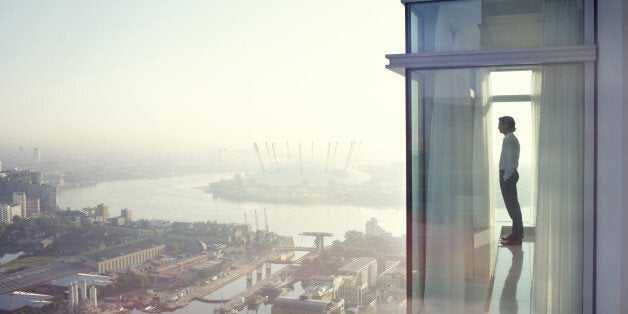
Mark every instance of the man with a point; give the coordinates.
(508, 177)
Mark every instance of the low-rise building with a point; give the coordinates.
(364, 268)
(326, 288)
(120, 256)
(136, 232)
(293, 306)
(18, 299)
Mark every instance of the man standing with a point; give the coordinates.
(508, 177)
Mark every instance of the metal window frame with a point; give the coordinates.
(585, 54)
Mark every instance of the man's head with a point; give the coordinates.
(506, 124)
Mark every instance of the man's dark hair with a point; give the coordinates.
(509, 121)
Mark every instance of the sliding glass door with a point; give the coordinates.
(453, 180)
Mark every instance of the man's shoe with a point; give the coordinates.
(508, 237)
(512, 241)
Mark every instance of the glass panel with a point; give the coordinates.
(455, 188)
(494, 24)
(509, 83)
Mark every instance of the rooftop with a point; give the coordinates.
(38, 275)
(122, 249)
(89, 279)
(19, 299)
(357, 264)
(309, 305)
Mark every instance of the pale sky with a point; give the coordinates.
(203, 73)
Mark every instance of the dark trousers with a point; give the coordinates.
(509, 193)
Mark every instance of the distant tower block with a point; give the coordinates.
(102, 210)
(19, 198)
(127, 215)
(37, 154)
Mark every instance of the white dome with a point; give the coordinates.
(311, 172)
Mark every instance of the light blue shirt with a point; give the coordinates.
(509, 158)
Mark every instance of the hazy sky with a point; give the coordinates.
(202, 73)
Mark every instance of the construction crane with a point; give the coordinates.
(300, 159)
(268, 152)
(327, 161)
(319, 240)
(266, 220)
(259, 157)
(349, 155)
(355, 156)
(275, 154)
(247, 237)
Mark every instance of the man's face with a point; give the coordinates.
(502, 127)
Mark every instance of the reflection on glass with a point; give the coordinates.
(508, 300)
(488, 24)
(454, 177)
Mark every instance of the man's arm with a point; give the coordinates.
(512, 158)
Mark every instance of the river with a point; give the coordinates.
(180, 199)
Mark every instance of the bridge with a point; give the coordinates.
(319, 240)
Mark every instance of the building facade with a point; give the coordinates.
(7, 212)
(127, 214)
(363, 268)
(19, 198)
(29, 183)
(560, 69)
(118, 257)
(102, 211)
(292, 306)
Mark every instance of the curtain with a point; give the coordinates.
(557, 282)
(456, 163)
(457, 190)
(557, 275)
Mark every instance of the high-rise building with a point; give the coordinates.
(102, 211)
(373, 228)
(559, 68)
(7, 212)
(30, 183)
(33, 206)
(25, 176)
(127, 215)
(37, 154)
(19, 198)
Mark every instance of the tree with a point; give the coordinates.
(17, 219)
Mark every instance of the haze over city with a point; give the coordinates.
(163, 76)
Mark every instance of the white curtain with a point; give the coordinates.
(457, 185)
(457, 191)
(557, 277)
(558, 109)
